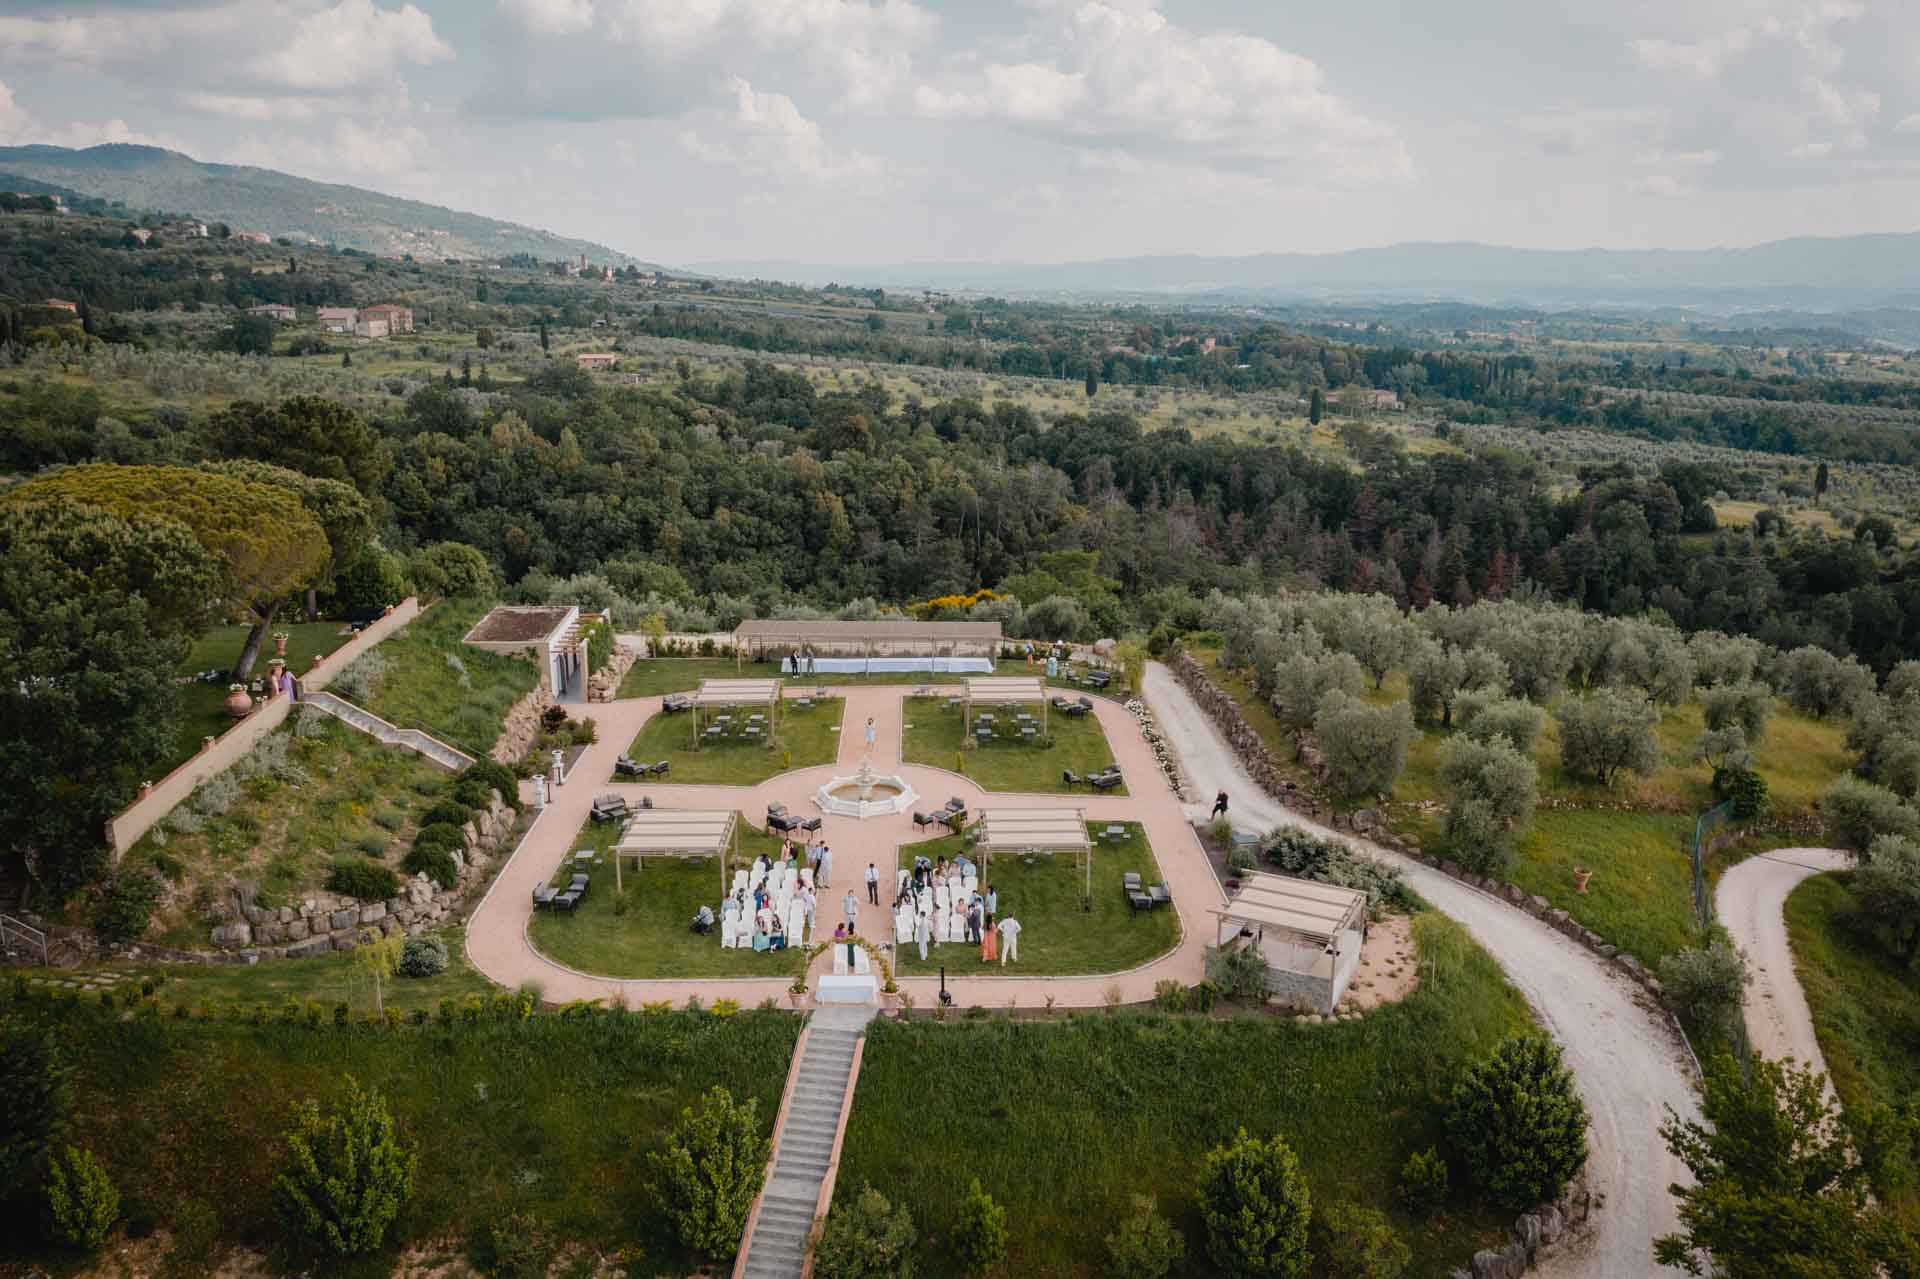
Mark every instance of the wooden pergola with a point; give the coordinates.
(883, 637)
(1004, 690)
(1313, 913)
(1036, 830)
(667, 832)
(715, 693)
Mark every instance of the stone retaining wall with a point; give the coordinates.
(1537, 1235)
(521, 726)
(605, 684)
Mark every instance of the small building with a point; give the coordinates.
(141, 234)
(1309, 934)
(369, 327)
(190, 229)
(338, 319)
(278, 311)
(547, 633)
(399, 319)
(598, 361)
(61, 304)
(252, 237)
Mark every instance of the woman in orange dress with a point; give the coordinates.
(989, 942)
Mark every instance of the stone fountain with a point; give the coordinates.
(865, 794)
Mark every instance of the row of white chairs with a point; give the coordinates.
(944, 926)
(778, 878)
(737, 927)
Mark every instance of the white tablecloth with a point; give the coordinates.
(864, 665)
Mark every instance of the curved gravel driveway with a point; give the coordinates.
(1626, 1060)
(1751, 901)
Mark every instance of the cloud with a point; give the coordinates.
(19, 126)
(67, 39)
(377, 150)
(565, 153)
(1659, 184)
(1909, 126)
(551, 17)
(352, 43)
(1129, 76)
(1807, 28)
(766, 133)
(252, 107)
(1702, 59)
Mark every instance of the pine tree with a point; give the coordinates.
(1316, 406)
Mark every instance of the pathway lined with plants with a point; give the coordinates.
(499, 946)
(1751, 902)
(1627, 1061)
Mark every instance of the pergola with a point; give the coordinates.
(715, 693)
(666, 832)
(1305, 913)
(881, 638)
(1005, 690)
(1035, 830)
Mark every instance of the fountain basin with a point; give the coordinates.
(865, 794)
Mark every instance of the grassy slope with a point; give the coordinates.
(420, 690)
(1063, 1120)
(1057, 936)
(1866, 1006)
(551, 1116)
(205, 704)
(933, 736)
(805, 737)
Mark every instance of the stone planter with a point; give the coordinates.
(797, 997)
(239, 705)
(280, 646)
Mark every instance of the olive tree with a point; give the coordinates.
(1491, 791)
(1819, 683)
(1724, 659)
(1487, 715)
(1364, 747)
(1435, 676)
(1745, 706)
(1887, 886)
(1301, 683)
(1607, 733)
(1860, 812)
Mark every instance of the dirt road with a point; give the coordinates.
(1628, 1064)
(1751, 902)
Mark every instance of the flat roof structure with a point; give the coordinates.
(736, 692)
(1009, 830)
(669, 832)
(997, 690)
(519, 624)
(1313, 912)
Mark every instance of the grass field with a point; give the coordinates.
(1063, 1120)
(651, 938)
(804, 738)
(465, 705)
(1058, 936)
(1641, 895)
(350, 796)
(204, 705)
(933, 736)
(1866, 1004)
(550, 1116)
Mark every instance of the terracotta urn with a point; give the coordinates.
(280, 644)
(239, 705)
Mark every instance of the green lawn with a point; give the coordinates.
(1866, 1004)
(1062, 1120)
(651, 938)
(803, 739)
(464, 706)
(1641, 894)
(338, 793)
(551, 1116)
(1058, 936)
(933, 736)
(329, 980)
(204, 706)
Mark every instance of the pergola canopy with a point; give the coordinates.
(1006, 688)
(1315, 913)
(881, 636)
(668, 832)
(1006, 830)
(736, 692)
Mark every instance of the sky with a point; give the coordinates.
(869, 131)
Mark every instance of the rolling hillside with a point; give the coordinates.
(282, 204)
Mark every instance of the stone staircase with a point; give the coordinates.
(367, 722)
(776, 1246)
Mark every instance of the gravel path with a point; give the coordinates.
(1751, 901)
(1626, 1060)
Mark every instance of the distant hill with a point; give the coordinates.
(1872, 263)
(280, 204)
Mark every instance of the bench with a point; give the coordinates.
(1105, 781)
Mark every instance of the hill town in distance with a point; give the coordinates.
(885, 638)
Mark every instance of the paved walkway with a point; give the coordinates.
(1627, 1063)
(1751, 901)
(498, 946)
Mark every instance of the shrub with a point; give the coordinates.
(389, 818)
(1241, 859)
(126, 906)
(709, 1170)
(869, 1238)
(1240, 973)
(422, 956)
(343, 1175)
(1887, 887)
(1706, 984)
(373, 844)
(1356, 1242)
(980, 1231)
(1170, 996)
(216, 795)
(1297, 853)
(1255, 1204)
(1365, 747)
(1518, 1124)
(446, 835)
(471, 792)
(361, 679)
(446, 812)
(1744, 790)
(1859, 812)
(369, 881)
(195, 1227)
(516, 1246)
(81, 1200)
(1423, 1182)
(496, 776)
(1144, 1245)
